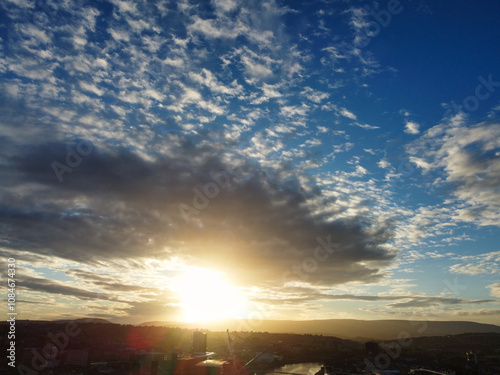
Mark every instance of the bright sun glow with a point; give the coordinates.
(206, 296)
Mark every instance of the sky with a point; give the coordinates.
(201, 160)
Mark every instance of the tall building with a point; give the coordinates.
(199, 342)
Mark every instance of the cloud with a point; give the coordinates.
(268, 92)
(299, 296)
(91, 88)
(435, 301)
(119, 35)
(495, 289)
(383, 163)
(412, 127)
(116, 204)
(488, 263)
(468, 158)
(108, 282)
(213, 29)
(346, 113)
(125, 6)
(255, 69)
(366, 126)
(149, 310)
(53, 287)
(226, 5)
(315, 96)
(207, 79)
(481, 312)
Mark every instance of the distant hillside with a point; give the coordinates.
(61, 321)
(345, 328)
(85, 320)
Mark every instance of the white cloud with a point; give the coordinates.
(412, 127)
(226, 5)
(360, 171)
(366, 126)
(89, 15)
(119, 35)
(291, 111)
(101, 63)
(214, 29)
(37, 34)
(90, 87)
(208, 79)
(494, 290)
(312, 142)
(255, 69)
(269, 92)
(32, 69)
(315, 96)
(177, 62)
(488, 263)
(480, 312)
(346, 113)
(138, 26)
(467, 157)
(384, 164)
(125, 6)
(23, 3)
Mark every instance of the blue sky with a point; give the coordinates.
(323, 159)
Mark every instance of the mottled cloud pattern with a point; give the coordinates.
(279, 144)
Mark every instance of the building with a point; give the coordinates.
(199, 342)
(77, 357)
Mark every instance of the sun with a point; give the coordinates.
(207, 296)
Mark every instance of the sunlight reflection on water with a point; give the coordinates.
(309, 368)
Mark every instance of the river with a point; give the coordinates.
(309, 368)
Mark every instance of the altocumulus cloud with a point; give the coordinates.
(469, 157)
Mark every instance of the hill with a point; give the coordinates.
(345, 328)
(61, 321)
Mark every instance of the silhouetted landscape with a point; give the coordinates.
(98, 346)
(346, 328)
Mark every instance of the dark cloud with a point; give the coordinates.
(48, 286)
(116, 204)
(136, 305)
(434, 301)
(153, 310)
(108, 282)
(406, 301)
(482, 312)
